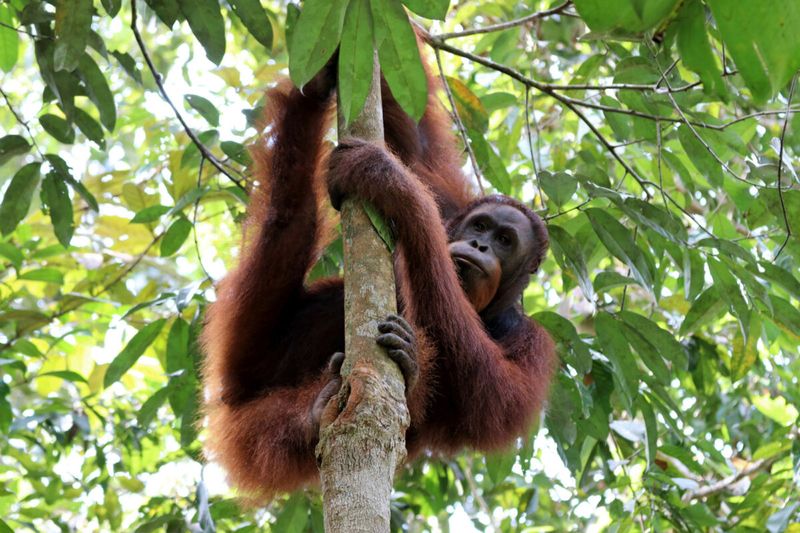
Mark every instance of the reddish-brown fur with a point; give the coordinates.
(268, 336)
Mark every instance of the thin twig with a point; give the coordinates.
(460, 125)
(644, 87)
(780, 170)
(194, 221)
(204, 151)
(476, 495)
(568, 102)
(665, 73)
(551, 89)
(697, 135)
(659, 161)
(26, 32)
(572, 105)
(506, 25)
(571, 209)
(530, 147)
(728, 482)
(22, 122)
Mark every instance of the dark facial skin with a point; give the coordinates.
(489, 246)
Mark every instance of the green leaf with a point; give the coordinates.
(781, 276)
(695, 48)
(204, 107)
(648, 353)
(693, 273)
(314, 38)
(67, 375)
(132, 351)
(178, 356)
(380, 225)
(207, 24)
(167, 10)
(618, 240)
(189, 419)
(12, 253)
(729, 291)
(469, 107)
(563, 331)
(564, 401)
(430, 9)
(615, 347)
(705, 308)
(651, 427)
(56, 197)
(568, 252)
(778, 522)
(128, 65)
(745, 351)
(191, 155)
(47, 275)
(255, 19)
(656, 218)
(112, 7)
(149, 408)
(237, 152)
(558, 186)
(98, 90)
(498, 100)
(489, 163)
(607, 15)
(701, 158)
(401, 64)
(175, 236)
(61, 168)
(761, 36)
(73, 25)
(149, 214)
(786, 315)
(89, 127)
(293, 516)
(604, 281)
(777, 409)
(356, 58)
(9, 40)
(60, 129)
(12, 145)
(17, 199)
(663, 340)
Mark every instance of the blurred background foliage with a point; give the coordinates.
(659, 138)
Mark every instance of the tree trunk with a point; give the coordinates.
(359, 452)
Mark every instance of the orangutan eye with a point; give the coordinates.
(504, 239)
(479, 226)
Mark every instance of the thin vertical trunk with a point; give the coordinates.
(359, 452)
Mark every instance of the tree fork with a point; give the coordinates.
(362, 435)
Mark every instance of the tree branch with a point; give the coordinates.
(21, 122)
(728, 482)
(460, 125)
(568, 102)
(780, 169)
(506, 25)
(204, 151)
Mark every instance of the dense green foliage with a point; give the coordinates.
(659, 138)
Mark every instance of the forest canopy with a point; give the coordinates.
(658, 139)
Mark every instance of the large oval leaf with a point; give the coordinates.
(207, 24)
(401, 64)
(132, 351)
(314, 38)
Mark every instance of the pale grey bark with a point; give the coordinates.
(359, 452)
